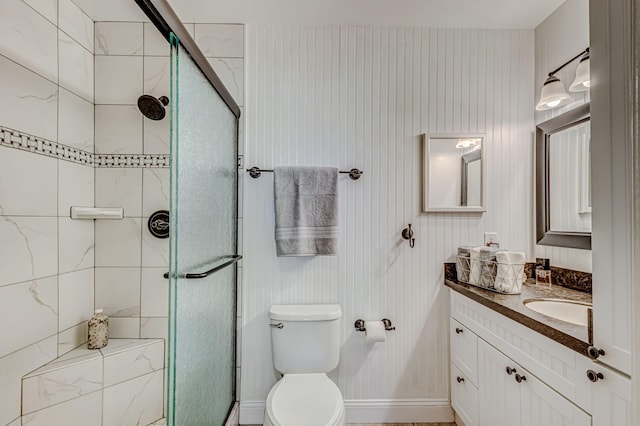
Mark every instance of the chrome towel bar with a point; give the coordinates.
(196, 275)
(255, 172)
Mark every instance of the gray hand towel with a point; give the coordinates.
(306, 210)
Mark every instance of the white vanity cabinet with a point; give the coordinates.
(505, 374)
(512, 396)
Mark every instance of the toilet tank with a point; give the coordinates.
(305, 338)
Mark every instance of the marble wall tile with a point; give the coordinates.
(75, 187)
(16, 365)
(29, 248)
(118, 79)
(124, 328)
(76, 67)
(156, 136)
(29, 101)
(71, 338)
(118, 291)
(28, 183)
(155, 191)
(76, 298)
(123, 365)
(156, 76)
(154, 328)
(28, 38)
(120, 187)
(76, 244)
(75, 121)
(83, 411)
(118, 38)
(118, 242)
(220, 40)
(34, 306)
(46, 8)
(137, 401)
(118, 129)
(154, 43)
(154, 293)
(73, 21)
(60, 385)
(155, 251)
(231, 72)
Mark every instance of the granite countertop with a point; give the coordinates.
(573, 336)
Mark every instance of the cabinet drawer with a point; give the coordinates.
(464, 350)
(464, 397)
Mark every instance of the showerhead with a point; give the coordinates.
(153, 108)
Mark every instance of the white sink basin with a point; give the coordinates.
(563, 310)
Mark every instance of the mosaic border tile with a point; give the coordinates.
(15, 139)
(131, 160)
(25, 142)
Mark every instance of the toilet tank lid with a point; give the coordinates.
(305, 312)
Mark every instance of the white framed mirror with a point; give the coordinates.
(453, 173)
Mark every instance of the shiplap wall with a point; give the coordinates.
(360, 96)
(560, 37)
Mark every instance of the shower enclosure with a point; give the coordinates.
(203, 232)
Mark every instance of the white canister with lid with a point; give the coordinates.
(98, 330)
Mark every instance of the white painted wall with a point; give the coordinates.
(360, 96)
(560, 37)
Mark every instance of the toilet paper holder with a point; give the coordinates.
(359, 324)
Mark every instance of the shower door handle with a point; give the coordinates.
(196, 275)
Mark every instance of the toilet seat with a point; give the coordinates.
(304, 399)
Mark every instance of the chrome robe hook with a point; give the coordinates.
(407, 234)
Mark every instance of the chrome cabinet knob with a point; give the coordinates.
(510, 370)
(520, 378)
(593, 376)
(460, 379)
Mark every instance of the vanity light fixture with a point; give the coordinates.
(467, 143)
(582, 82)
(554, 94)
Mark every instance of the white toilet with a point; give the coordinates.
(305, 341)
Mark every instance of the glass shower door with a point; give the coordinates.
(203, 247)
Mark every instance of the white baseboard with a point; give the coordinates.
(251, 412)
(372, 411)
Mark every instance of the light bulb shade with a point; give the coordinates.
(553, 94)
(582, 82)
(467, 143)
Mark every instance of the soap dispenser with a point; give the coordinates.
(98, 330)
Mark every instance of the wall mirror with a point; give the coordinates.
(563, 182)
(453, 173)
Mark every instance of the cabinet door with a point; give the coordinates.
(499, 393)
(464, 350)
(542, 406)
(611, 398)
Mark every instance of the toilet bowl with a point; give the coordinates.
(305, 342)
(305, 399)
